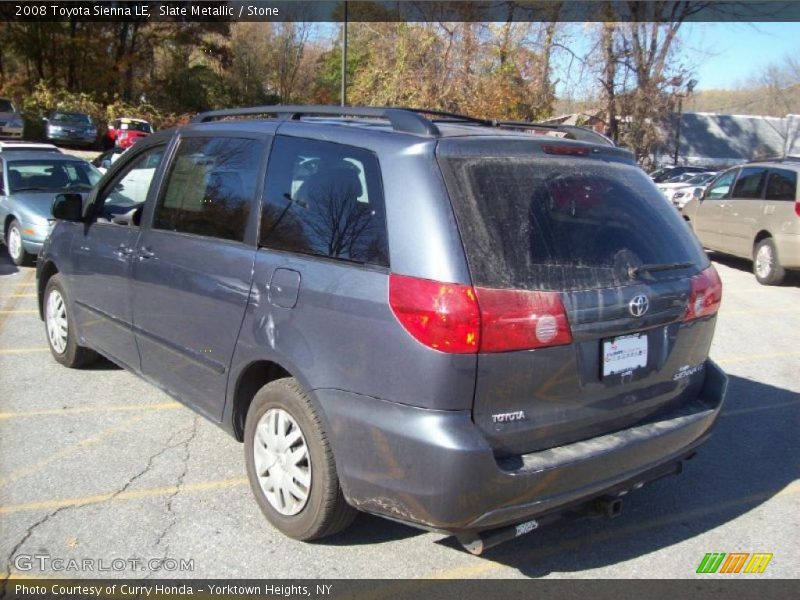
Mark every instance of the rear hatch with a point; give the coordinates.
(575, 244)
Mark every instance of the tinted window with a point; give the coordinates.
(721, 188)
(750, 183)
(782, 185)
(129, 188)
(325, 199)
(210, 187)
(6, 106)
(552, 224)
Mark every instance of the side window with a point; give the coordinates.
(782, 185)
(325, 199)
(211, 187)
(2, 178)
(750, 184)
(128, 190)
(721, 188)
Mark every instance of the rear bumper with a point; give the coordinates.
(435, 470)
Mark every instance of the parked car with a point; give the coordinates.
(454, 325)
(11, 122)
(752, 212)
(105, 159)
(682, 195)
(70, 128)
(29, 181)
(664, 173)
(124, 132)
(685, 184)
(18, 146)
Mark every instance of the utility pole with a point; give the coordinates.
(343, 94)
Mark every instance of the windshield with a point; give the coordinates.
(142, 126)
(552, 224)
(76, 118)
(51, 176)
(6, 106)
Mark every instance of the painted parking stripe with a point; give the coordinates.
(203, 486)
(19, 312)
(89, 409)
(24, 350)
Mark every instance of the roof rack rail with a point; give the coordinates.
(406, 121)
(583, 134)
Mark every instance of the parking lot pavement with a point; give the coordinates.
(96, 464)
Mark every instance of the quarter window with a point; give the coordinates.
(210, 187)
(750, 183)
(782, 185)
(325, 199)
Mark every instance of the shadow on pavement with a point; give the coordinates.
(740, 264)
(6, 266)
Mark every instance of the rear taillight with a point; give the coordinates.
(520, 320)
(797, 207)
(443, 316)
(465, 320)
(705, 296)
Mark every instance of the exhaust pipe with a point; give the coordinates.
(478, 543)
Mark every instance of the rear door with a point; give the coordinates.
(596, 234)
(194, 263)
(740, 214)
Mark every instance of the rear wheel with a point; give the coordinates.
(766, 266)
(290, 464)
(60, 328)
(14, 244)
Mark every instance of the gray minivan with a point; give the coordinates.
(448, 322)
(752, 212)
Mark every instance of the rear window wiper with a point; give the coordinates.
(635, 271)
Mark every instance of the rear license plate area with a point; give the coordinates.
(624, 355)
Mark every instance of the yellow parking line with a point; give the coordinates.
(24, 350)
(18, 296)
(89, 409)
(609, 535)
(19, 312)
(168, 490)
(754, 357)
(68, 450)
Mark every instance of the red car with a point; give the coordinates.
(125, 132)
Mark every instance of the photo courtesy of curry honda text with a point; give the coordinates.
(452, 323)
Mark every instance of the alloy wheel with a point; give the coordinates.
(56, 320)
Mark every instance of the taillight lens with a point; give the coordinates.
(797, 207)
(706, 295)
(520, 320)
(461, 319)
(443, 316)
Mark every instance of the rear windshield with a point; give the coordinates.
(551, 224)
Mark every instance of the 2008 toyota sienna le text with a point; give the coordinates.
(460, 325)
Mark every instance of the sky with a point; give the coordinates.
(725, 54)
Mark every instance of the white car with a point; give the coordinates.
(684, 185)
(11, 122)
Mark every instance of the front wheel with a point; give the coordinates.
(766, 266)
(60, 327)
(19, 256)
(290, 464)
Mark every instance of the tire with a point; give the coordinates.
(57, 317)
(279, 489)
(766, 266)
(14, 245)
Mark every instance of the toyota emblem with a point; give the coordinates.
(639, 305)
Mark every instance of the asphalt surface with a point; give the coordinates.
(97, 464)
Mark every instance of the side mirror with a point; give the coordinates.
(68, 207)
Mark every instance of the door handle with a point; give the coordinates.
(145, 253)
